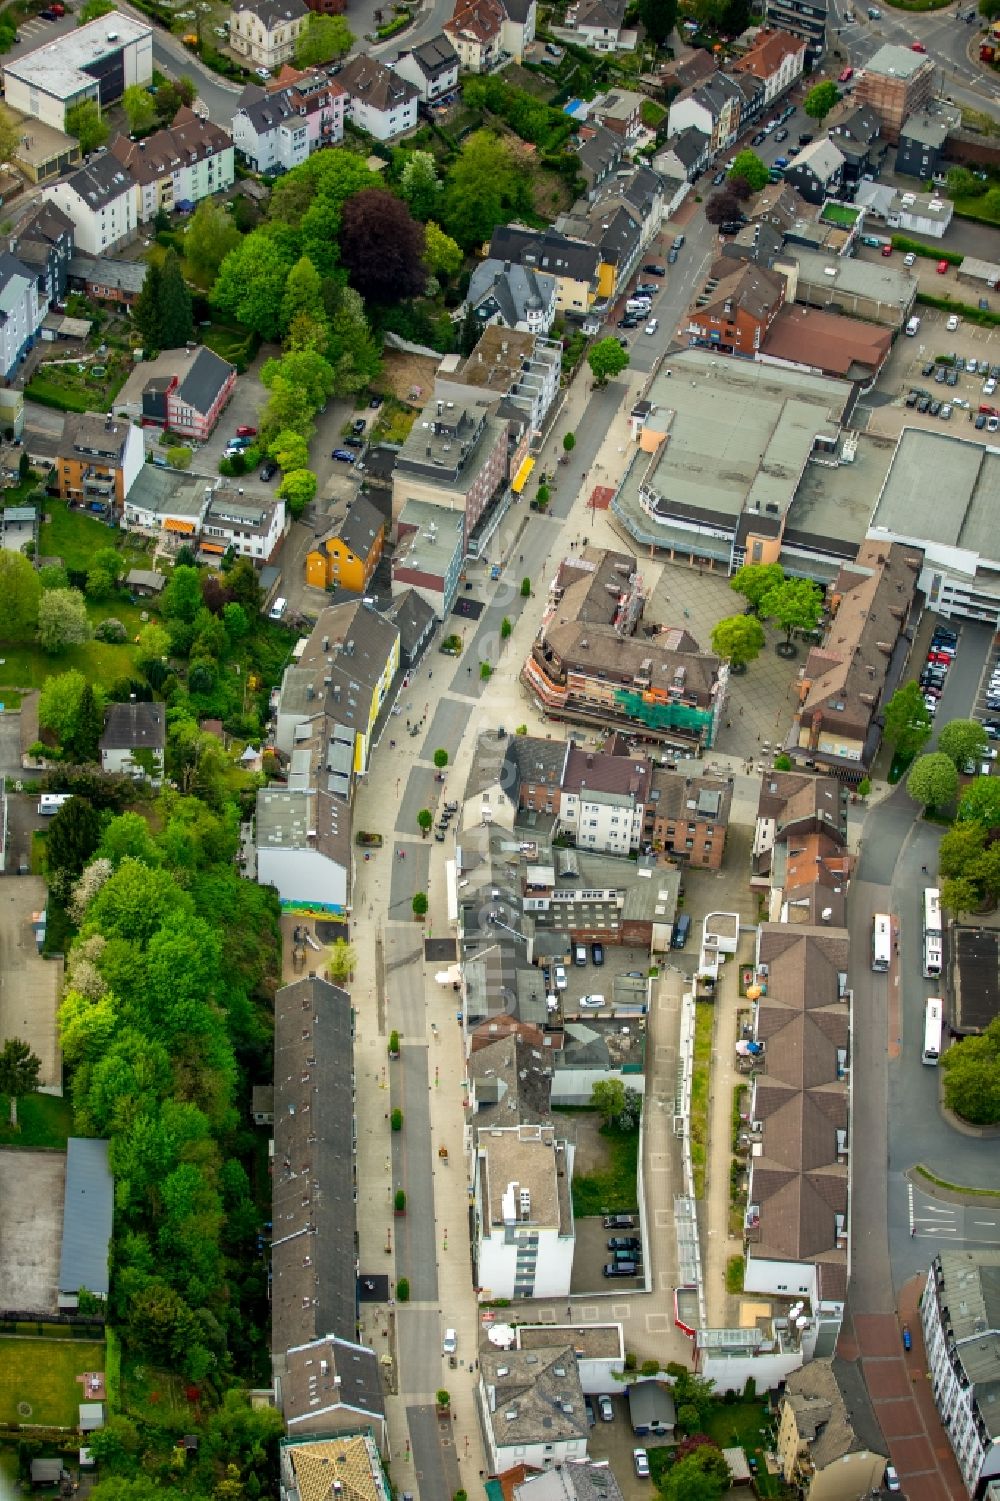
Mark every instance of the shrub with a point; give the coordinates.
(111, 630)
(443, 1398)
(394, 1044)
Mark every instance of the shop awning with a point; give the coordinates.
(521, 477)
(173, 524)
(212, 547)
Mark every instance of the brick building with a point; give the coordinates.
(687, 817)
(735, 306)
(897, 83)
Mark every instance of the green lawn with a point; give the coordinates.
(152, 1395)
(739, 1426)
(840, 213)
(38, 1379)
(704, 1020)
(75, 536)
(27, 666)
(612, 1191)
(44, 1120)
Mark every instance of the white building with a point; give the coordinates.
(304, 848)
(284, 127)
(265, 31)
(915, 213)
(100, 200)
(252, 525)
(531, 1405)
(960, 1314)
(134, 740)
(98, 61)
(523, 368)
(517, 296)
(432, 68)
(525, 1233)
(176, 168)
(21, 312)
(378, 100)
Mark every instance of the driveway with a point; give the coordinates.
(244, 410)
(29, 985)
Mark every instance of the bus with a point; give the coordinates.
(881, 942)
(933, 1019)
(932, 933)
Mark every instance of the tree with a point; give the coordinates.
(21, 591)
(658, 19)
(907, 723)
(146, 308)
(103, 574)
(722, 207)
(959, 894)
(820, 101)
(701, 1476)
(960, 849)
(10, 139)
(607, 1097)
(382, 246)
(289, 450)
(140, 111)
(303, 292)
(73, 836)
(747, 166)
(486, 185)
(506, 628)
(440, 759)
(60, 704)
(485, 672)
(606, 358)
(176, 322)
(321, 40)
(62, 619)
(755, 580)
(235, 619)
(525, 588)
(442, 255)
(250, 286)
(980, 803)
(962, 740)
(84, 121)
(472, 331)
(181, 599)
(425, 818)
(933, 781)
(972, 1077)
(303, 371)
(341, 958)
(84, 741)
(419, 184)
(93, 10)
(739, 639)
(209, 237)
(354, 354)
(19, 1069)
(419, 904)
(794, 605)
(298, 488)
(962, 182)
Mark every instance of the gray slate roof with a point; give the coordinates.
(100, 181)
(138, 726)
(273, 12)
(510, 289)
(203, 378)
(102, 271)
(87, 1217)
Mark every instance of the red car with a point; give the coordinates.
(942, 267)
(939, 657)
(246, 432)
(917, 47)
(887, 250)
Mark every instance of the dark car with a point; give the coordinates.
(992, 728)
(624, 1243)
(731, 227)
(781, 135)
(358, 425)
(268, 469)
(344, 456)
(805, 139)
(353, 441)
(928, 368)
(646, 289)
(652, 270)
(718, 179)
(923, 403)
(671, 255)
(951, 376)
(597, 953)
(621, 1269)
(759, 137)
(628, 322)
(981, 421)
(912, 397)
(619, 1222)
(935, 407)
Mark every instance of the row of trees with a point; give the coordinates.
(40, 605)
(793, 604)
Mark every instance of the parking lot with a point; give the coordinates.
(935, 362)
(615, 1442)
(590, 979)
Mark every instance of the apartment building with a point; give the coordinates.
(794, 807)
(512, 295)
(432, 68)
(21, 312)
(531, 1407)
(174, 169)
(43, 242)
(523, 1214)
(429, 552)
(604, 798)
(283, 127)
(829, 1444)
(686, 818)
(776, 59)
(378, 100)
(805, 19)
(99, 199)
(303, 849)
(183, 391)
(816, 171)
(347, 553)
(960, 1316)
(522, 369)
(252, 526)
(99, 459)
(573, 263)
(897, 83)
(266, 31)
(475, 31)
(456, 456)
(735, 306)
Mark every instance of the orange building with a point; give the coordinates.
(346, 555)
(99, 459)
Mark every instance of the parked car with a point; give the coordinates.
(941, 268)
(605, 1409)
(653, 270)
(353, 441)
(344, 456)
(624, 1243)
(619, 1222)
(951, 377)
(359, 424)
(953, 323)
(652, 325)
(940, 375)
(760, 137)
(450, 1342)
(909, 259)
(887, 250)
(917, 47)
(597, 953)
(646, 289)
(268, 470)
(718, 179)
(891, 1478)
(781, 135)
(246, 432)
(262, 74)
(560, 977)
(980, 421)
(671, 255)
(621, 1269)
(590, 1002)
(640, 1460)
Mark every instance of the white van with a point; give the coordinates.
(913, 327)
(638, 305)
(277, 609)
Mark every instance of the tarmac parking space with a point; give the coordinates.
(592, 1255)
(615, 1442)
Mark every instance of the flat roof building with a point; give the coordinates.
(873, 290)
(98, 61)
(88, 1216)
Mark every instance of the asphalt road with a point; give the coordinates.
(945, 36)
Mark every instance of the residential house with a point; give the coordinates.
(134, 740)
(618, 227)
(864, 652)
(378, 100)
(827, 344)
(88, 1221)
(279, 128)
(573, 263)
(805, 19)
(512, 295)
(574, 1480)
(266, 31)
(457, 456)
(923, 140)
(829, 1444)
(599, 25)
(961, 1326)
(99, 460)
(177, 167)
(735, 306)
(97, 61)
(106, 280)
(475, 31)
(777, 59)
(43, 242)
(686, 154)
(346, 554)
(599, 152)
(432, 68)
(416, 622)
(517, 31)
(687, 72)
(817, 171)
(587, 659)
(897, 83)
(713, 107)
(794, 807)
(687, 818)
(99, 200)
(620, 111)
(857, 136)
(303, 850)
(752, 98)
(924, 214)
(429, 552)
(182, 391)
(603, 800)
(523, 1212)
(778, 205)
(166, 505)
(250, 526)
(521, 369)
(531, 1406)
(759, 243)
(353, 1462)
(21, 312)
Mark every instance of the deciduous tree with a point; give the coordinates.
(658, 17)
(820, 100)
(794, 605)
(722, 207)
(419, 184)
(62, 619)
(208, 239)
(933, 781)
(382, 246)
(442, 255)
(289, 450)
(303, 291)
(980, 802)
(21, 591)
(606, 359)
(93, 10)
(962, 740)
(748, 166)
(754, 580)
(607, 1097)
(84, 121)
(19, 1070)
(321, 40)
(298, 487)
(907, 723)
(72, 838)
(250, 286)
(137, 102)
(739, 639)
(972, 1077)
(341, 958)
(486, 185)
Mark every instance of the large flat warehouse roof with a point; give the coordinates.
(942, 490)
(57, 68)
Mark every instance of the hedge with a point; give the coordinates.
(982, 316)
(917, 247)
